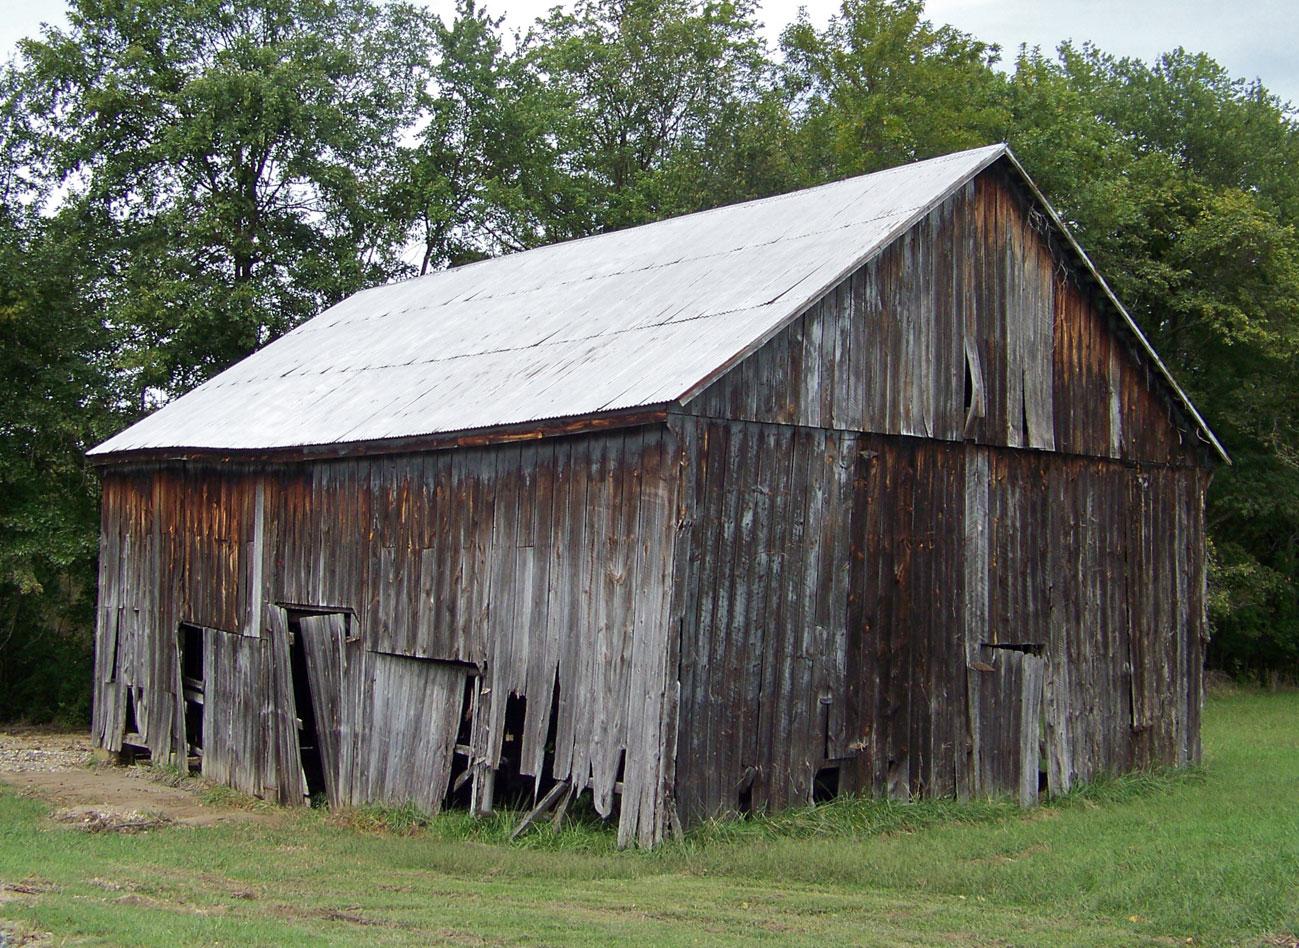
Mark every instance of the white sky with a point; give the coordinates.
(1251, 38)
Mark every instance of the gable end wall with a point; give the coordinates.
(973, 324)
(890, 587)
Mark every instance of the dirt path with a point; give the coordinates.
(60, 768)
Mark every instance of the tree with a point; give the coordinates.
(651, 89)
(483, 177)
(53, 346)
(225, 162)
(1177, 180)
(881, 86)
(179, 183)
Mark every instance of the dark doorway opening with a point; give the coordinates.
(193, 685)
(313, 766)
(825, 785)
(133, 747)
(459, 789)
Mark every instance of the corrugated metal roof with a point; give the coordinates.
(628, 319)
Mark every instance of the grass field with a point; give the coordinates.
(1206, 857)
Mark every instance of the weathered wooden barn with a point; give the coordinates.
(873, 487)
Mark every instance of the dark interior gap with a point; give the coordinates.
(512, 789)
(113, 653)
(825, 728)
(825, 785)
(1023, 414)
(825, 782)
(1043, 750)
(1029, 648)
(459, 789)
(133, 746)
(969, 388)
(193, 684)
(194, 728)
(132, 724)
(191, 653)
(313, 771)
(744, 791)
(547, 774)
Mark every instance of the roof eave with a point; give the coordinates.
(466, 438)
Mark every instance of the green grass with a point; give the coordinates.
(1210, 855)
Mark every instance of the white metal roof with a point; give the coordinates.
(623, 320)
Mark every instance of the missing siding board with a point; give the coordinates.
(511, 787)
(131, 725)
(1025, 429)
(524, 774)
(110, 661)
(969, 391)
(744, 791)
(825, 782)
(190, 641)
(134, 744)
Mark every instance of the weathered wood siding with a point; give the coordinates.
(851, 592)
(974, 323)
(765, 622)
(546, 565)
(942, 531)
(944, 521)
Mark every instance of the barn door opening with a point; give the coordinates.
(193, 684)
(317, 656)
(134, 745)
(1006, 696)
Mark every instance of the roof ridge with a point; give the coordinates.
(695, 215)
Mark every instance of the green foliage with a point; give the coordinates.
(1177, 179)
(222, 159)
(651, 90)
(484, 176)
(181, 182)
(881, 86)
(53, 349)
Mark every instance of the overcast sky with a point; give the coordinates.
(1251, 38)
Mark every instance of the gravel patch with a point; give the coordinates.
(36, 753)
